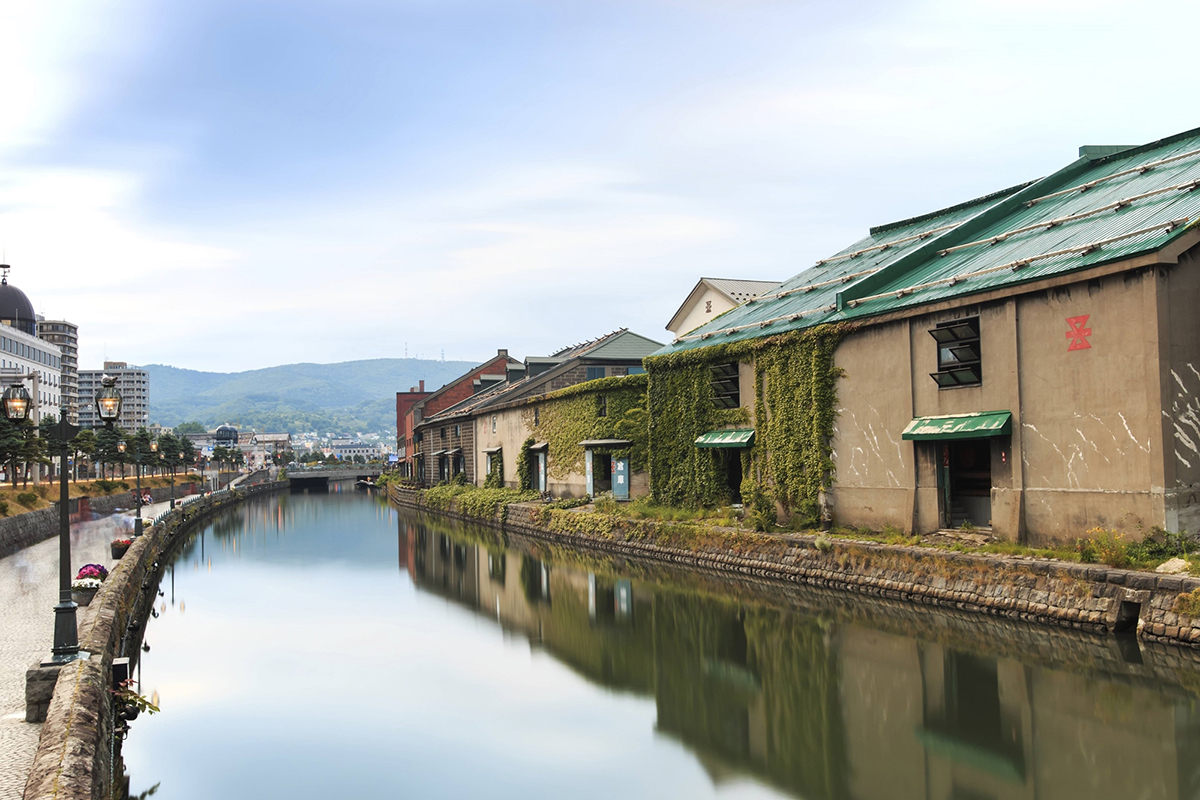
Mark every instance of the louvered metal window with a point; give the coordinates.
(959, 356)
(724, 382)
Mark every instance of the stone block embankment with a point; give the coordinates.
(1088, 597)
(75, 757)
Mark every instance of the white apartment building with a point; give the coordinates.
(65, 336)
(133, 383)
(24, 358)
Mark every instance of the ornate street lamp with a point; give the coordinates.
(109, 401)
(16, 402)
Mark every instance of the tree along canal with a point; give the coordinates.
(333, 646)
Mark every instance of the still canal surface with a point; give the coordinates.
(317, 646)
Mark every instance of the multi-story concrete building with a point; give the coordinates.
(24, 358)
(133, 383)
(65, 335)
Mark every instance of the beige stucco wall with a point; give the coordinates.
(697, 316)
(1086, 448)
(512, 427)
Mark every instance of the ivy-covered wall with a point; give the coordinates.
(569, 416)
(795, 397)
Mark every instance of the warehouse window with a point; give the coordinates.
(959, 362)
(723, 379)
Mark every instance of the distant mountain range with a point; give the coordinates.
(297, 398)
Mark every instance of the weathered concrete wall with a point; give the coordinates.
(74, 757)
(23, 530)
(1036, 590)
(1179, 297)
(1087, 448)
(875, 468)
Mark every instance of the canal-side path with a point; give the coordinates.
(28, 594)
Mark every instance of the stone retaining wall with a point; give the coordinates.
(74, 758)
(1088, 597)
(25, 530)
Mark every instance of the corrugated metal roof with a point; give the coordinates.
(1094, 210)
(626, 345)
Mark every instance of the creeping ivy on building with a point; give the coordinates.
(606, 408)
(795, 401)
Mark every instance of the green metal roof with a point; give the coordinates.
(726, 438)
(959, 426)
(1100, 208)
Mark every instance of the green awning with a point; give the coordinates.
(960, 426)
(726, 438)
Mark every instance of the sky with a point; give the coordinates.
(226, 185)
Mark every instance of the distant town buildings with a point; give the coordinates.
(349, 450)
(133, 383)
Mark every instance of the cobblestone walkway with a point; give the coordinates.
(28, 594)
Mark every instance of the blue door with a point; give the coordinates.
(620, 478)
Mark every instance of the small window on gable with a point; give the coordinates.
(458, 430)
(708, 306)
(601, 406)
(493, 423)
(959, 356)
(443, 433)
(595, 372)
(537, 417)
(724, 383)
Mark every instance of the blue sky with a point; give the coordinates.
(229, 185)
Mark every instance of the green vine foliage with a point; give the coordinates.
(495, 478)
(525, 466)
(795, 397)
(607, 408)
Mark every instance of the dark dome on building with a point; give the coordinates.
(15, 308)
(226, 435)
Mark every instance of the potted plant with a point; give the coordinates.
(119, 546)
(87, 582)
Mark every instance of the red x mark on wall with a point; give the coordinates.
(1078, 334)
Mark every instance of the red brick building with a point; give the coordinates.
(417, 404)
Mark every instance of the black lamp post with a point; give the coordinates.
(17, 404)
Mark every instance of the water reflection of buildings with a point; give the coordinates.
(823, 709)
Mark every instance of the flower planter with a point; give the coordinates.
(118, 550)
(83, 596)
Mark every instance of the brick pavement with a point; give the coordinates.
(28, 594)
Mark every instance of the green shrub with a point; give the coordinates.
(28, 499)
(1188, 605)
(4, 508)
(1104, 546)
(760, 505)
(473, 501)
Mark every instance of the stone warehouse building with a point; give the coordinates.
(570, 456)
(1027, 362)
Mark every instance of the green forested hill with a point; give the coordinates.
(351, 396)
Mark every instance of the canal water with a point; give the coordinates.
(318, 646)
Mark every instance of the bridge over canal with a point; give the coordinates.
(319, 477)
